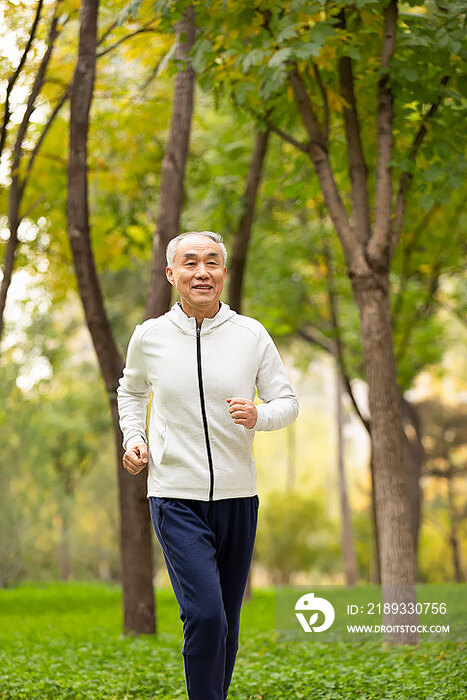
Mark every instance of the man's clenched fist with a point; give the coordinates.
(136, 458)
(243, 412)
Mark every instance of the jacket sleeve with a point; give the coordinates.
(133, 394)
(280, 405)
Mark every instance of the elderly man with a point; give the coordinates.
(202, 361)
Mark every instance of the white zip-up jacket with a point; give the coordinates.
(196, 451)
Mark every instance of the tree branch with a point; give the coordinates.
(262, 119)
(152, 75)
(330, 347)
(321, 340)
(38, 82)
(445, 473)
(16, 190)
(63, 98)
(307, 111)
(304, 147)
(455, 312)
(378, 246)
(324, 95)
(408, 250)
(113, 46)
(107, 31)
(319, 155)
(436, 271)
(423, 310)
(243, 233)
(406, 176)
(13, 78)
(358, 171)
(173, 165)
(340, 354)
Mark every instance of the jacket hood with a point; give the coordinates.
(188, 324)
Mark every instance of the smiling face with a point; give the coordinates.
(198, 274)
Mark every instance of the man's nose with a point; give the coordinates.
(202, 271)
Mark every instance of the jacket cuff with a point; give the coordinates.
(135, 440)
(261, 419)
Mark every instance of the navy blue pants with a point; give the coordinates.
(207, 546)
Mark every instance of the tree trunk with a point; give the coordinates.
(242, 236)
(11, 246)
(375, 562)
(391, 488)
(348, 549)
(135, 534)
(414, 456)
(173, 168)
(139, 615)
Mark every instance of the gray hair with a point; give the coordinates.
(173, 244)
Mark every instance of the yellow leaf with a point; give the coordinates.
(367, 17)
(336, 101)
(327, 56)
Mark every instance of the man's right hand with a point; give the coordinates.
(136, 458)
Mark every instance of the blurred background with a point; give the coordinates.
(59, 515)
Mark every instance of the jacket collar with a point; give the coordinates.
(188, 324)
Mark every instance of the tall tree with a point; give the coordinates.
(280, 60)
(135, 534)
(367, 257)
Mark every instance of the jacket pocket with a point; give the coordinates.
(158, 445)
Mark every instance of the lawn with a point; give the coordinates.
(65, 641)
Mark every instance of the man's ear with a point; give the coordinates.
(170, 275)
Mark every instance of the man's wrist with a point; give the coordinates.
(259, 418)
(136, 440)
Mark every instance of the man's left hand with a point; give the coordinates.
(243, 412)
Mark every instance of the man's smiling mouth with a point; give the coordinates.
(202, 286)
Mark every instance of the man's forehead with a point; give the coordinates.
(193, 246)
(194, 253)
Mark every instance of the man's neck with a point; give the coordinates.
(200, 314)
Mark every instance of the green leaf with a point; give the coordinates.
(252, 58)
(279, 58)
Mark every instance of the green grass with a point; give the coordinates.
(65, 641)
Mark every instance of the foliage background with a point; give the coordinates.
(54, 425)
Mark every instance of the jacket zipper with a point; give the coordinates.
(203, 412)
